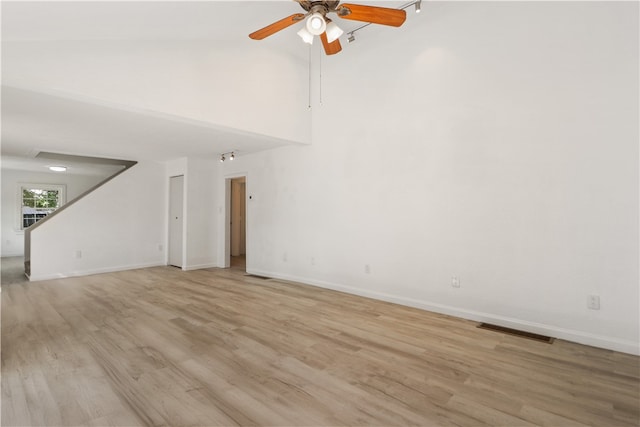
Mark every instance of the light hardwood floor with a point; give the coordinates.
(163, 347)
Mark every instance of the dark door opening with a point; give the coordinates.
(237, 224)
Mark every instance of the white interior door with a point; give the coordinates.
(176, 222)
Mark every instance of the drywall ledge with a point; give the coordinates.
(537, 328)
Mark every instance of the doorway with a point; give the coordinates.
(176, 222)
(237, 223)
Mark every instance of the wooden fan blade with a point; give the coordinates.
(373, 14)
(276, 26)
(330, 48)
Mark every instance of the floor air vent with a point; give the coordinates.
(516, 332)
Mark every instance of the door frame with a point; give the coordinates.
(227, 216)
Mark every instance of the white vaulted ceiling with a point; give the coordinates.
(138, 20)
(152, 80)
(97, 78)
(157, 20)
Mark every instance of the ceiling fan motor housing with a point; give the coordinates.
(315, 6)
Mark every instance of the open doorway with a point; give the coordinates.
(237, 223)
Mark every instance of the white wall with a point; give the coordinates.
(496, 142)
(121, 225)
(201, 212)
(12, 235)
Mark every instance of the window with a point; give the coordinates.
(38, 201)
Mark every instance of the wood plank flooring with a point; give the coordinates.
(164, 347)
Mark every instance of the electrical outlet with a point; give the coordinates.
(313, 261)
(455, 281)
(160, 248)
(284, 257)
(593, 302)
(78, 254)
(367, 269)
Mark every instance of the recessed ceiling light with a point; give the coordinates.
(58, 168)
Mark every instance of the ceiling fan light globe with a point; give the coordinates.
(306, 36)
(333, 32)
(316, 24)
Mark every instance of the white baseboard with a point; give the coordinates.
(78, 273)
(199, 266)
(580, 337)
(11, 254)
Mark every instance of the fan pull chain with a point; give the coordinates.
(309, 106)
(320, 78)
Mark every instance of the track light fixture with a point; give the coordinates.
(417, 3)
(231, 156)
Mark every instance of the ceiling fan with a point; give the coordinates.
(319, 24)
